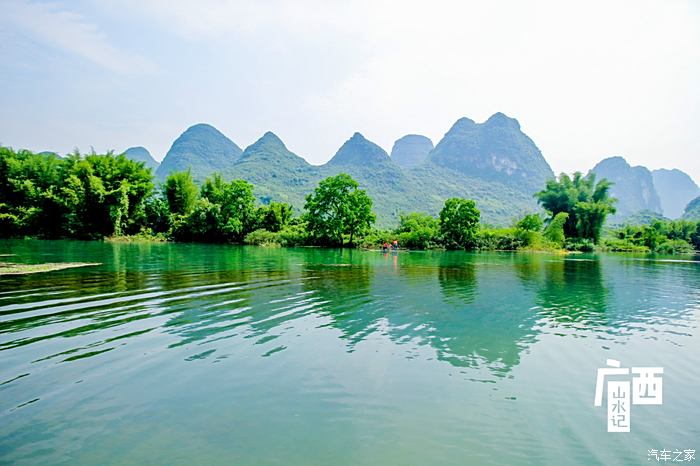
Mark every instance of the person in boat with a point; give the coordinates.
(385, 247)
(395, 245)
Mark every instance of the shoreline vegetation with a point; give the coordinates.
(110, 197)
(13, 268)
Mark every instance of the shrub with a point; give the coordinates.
(622, 245)
(555, 230)
(375, 238)
(580, 244)
(695, 237)
(262, 237)
(675, 246)
(504, 239)
(293, 235)
(530, 222)
(199, 225)
(418, 231)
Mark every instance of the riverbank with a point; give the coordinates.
(270, 240)
(664, 238)
(608, 245)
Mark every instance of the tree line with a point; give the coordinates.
(95, 196)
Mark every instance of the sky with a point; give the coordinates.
(586, 79)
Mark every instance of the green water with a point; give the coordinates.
(194, 354)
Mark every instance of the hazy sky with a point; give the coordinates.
(585, 79)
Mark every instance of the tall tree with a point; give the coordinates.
(237, 206)
(274, 217)
(459, 223)
(586, 202)
(181, 192)
(338, 207)
(417, 230)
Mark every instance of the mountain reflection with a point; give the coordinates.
(448, 302)
(469, 310)
(568, 290)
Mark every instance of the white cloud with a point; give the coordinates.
(585, 79)
(206, 19)
(58, 27)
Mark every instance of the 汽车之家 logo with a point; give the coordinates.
(646, 388)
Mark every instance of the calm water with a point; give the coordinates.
(193, 354)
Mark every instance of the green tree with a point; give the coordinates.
(417, 230)
(586, 202)
(360, 216)
(236, 207)
(274, 217)
(459, 223)
(652, 236)
(104, 195)
(530, 222)
(202, 224)
(338, 207)
(695, 237)
(181, 192)
(29, 200)
(157, 214)
(555, 230)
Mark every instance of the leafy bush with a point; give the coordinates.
(200, 225)
(459, 223)
(262, 237)
(580, 244)
(375, 238)
(695, 237)
(530, 222)
(664, 237)
(675, 246)
(503, 239)
(274, 216)
(293, 235)
(622, 245)
(555, 230)
(418, 231)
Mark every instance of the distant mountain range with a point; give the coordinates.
(660, 193)
(692, 210)
(140, 154)
(675, 190)
(493, 162)
(632, 186)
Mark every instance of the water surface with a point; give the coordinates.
(198, 354)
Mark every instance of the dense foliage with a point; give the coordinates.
(663, 237)
(337, 207)
(181, 193)
(586, 202)
(79, 196)
(418, 231)
(459, 223)
(94, 196)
